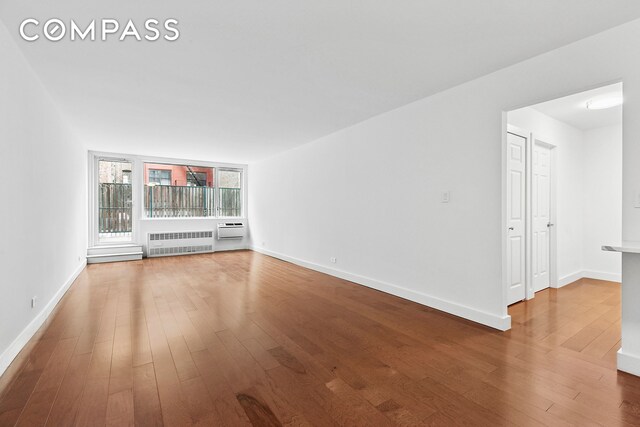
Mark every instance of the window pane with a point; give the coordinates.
(229, 178)
(230, 189)
(178, 191)
(114, 201)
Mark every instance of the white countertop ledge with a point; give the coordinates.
(628, 247)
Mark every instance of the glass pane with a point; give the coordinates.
(229, 179)
(114, 201)
(230, 183)
(178, 191)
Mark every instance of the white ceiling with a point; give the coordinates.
(250, 78)
(573, 110)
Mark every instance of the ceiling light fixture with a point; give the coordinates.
(603, 103)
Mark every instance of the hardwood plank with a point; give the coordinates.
(93, 404)
(63, 412)
(260, 354)
(146, 403)
(258, 412)
(37, 408)
(120, 408)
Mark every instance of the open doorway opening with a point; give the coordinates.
(563, 192)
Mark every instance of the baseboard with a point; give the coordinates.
(564, 281)
(100, 259)
(589, 274)
(628, 363)
(18, 344)
(478, 316)
(602, 275)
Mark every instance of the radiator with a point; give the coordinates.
(231, 230)
(179, 243)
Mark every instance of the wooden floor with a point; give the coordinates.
(241, 338)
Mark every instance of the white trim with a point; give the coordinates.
(478, 316)
(27, 333)
(570, 278)
(628, 363)
(602, 275)
(93, 173)
(207, 218)
(102, 258)
(589, 274)
(504, 272)
(168, 160)
(116, 254)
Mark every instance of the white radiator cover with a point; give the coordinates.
(179, 243)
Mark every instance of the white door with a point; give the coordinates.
(540, 216)
(516, 217)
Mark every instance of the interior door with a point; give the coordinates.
(540, 216)
(516, 217)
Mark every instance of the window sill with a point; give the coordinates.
(211, 218)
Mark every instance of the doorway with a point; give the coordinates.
(114, 201)
(562, 191)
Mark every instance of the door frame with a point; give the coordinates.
(94, 159)
(553, 257)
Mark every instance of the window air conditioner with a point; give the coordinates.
(231, 230)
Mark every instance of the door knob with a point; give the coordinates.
(511, 228)
(550, 224)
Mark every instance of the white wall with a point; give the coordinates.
(602, 201)
(570, 188)
(43, 212)
(369, 194)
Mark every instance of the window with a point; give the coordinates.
(179, 191)
(230, 193)
(159, 177)
(184, 191)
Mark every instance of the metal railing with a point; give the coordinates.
(170, 201)
(230, 202)
(163, 201)
(114, 208)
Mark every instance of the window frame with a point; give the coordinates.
(138, 188)
(181, 164)
(94, 159)
(218, 205)
(217, 168)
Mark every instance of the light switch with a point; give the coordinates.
(445, 196)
